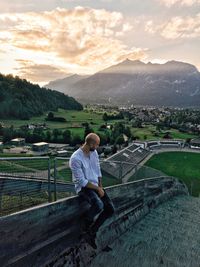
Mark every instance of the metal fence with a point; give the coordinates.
(24, 182)
(29, 181)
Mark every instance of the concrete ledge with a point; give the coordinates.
(49, 233)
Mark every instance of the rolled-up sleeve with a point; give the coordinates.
(77, 172)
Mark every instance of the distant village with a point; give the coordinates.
(22, 142)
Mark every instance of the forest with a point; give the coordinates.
(21, 99)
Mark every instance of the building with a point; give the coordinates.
(40, 147)
(18, 141)
(63, 153)
(195, 143)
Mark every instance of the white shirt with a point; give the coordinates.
(84, 168)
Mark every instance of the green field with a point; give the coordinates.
(74, 120)
(148, 133)
(184, 165)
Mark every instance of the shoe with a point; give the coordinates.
(90, 239)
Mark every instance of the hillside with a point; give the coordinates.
(21, 99)
(66, 85)
(174, 83)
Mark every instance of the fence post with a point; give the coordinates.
(49, 181)
(1, 193)
(120, 171)
(55, 179)
(191, 187)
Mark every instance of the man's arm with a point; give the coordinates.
(77, 171)
(99, 171)
(100, 182)
(99, 189)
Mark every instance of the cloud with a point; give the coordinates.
(176, 27)
(170, 3)
(39, 72)
(83, 37)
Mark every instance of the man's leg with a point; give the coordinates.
(96, 203)
(108, 211)
(96, 207)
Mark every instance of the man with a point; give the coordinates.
(86, 175)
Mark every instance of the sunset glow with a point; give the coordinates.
(48, 41)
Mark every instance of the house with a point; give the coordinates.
(18, 141)
(40, 147)
(195, 143)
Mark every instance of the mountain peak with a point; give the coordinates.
(131, 62)
(179, 65)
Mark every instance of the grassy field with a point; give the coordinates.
(74, 120)
(184, 165)
(147, 132)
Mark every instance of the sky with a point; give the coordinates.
(50, 39)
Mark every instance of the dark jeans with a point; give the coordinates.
(102, 206)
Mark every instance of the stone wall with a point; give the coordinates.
(48, 235)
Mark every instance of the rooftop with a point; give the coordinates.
(40, 144)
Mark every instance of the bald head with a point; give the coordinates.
(92, 139)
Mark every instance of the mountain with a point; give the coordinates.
(66, 85)
(21, 99)
(134, 82)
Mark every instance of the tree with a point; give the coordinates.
(21, 99)
(50, 115)
(48, 136)
(1, 129)
(76, 140)
(118, 129)
(103, 138)
(127, 131)
(167, 135)
(66, 136)
(56, 133)
(38, 135)
(8, 134)
(88, 130)
(114, 149)
(120, 140)
(105, 116)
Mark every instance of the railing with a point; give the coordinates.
(24, 182)
(30, 181)
(145, 172)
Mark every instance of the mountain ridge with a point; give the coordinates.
(173, 83)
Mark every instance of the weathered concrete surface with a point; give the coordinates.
(168, 236)
(48, 235)
(133, 201)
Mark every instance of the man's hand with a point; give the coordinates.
(100, 182)
(100, 192)
(98, 189)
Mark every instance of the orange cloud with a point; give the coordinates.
(83, 37)
(39, 72)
